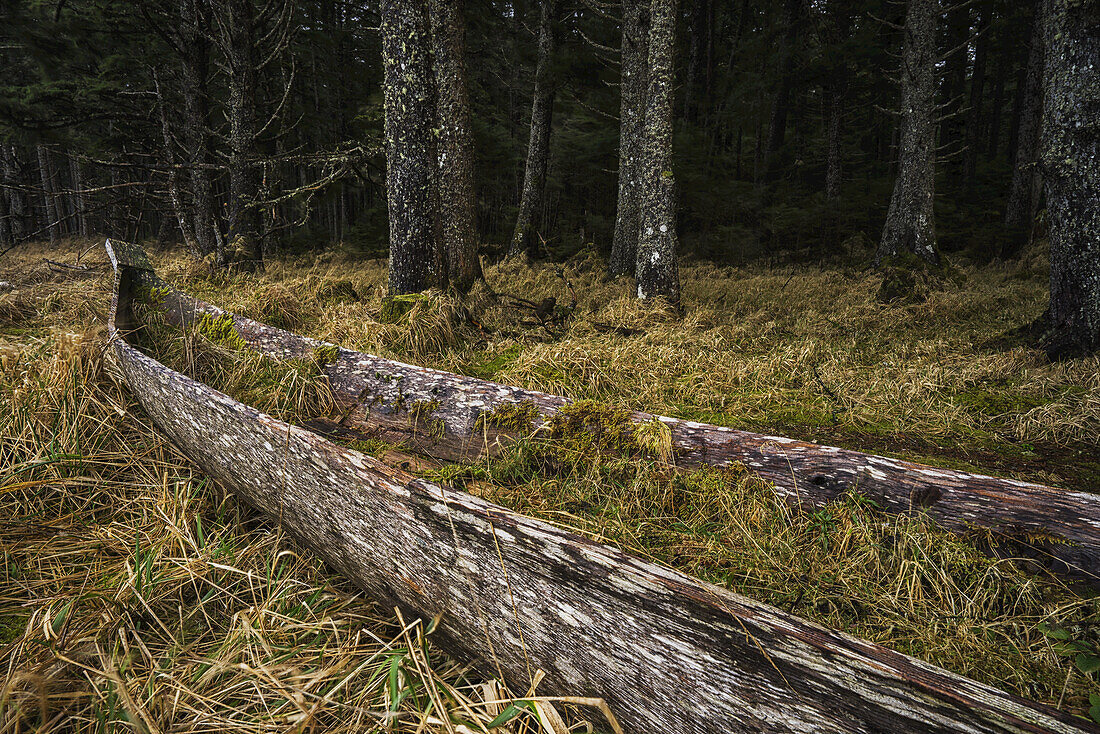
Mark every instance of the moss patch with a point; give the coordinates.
(326, 354)
(509, 416)
(221, 330)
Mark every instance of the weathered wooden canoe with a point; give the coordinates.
(452, 417)
(668, 653)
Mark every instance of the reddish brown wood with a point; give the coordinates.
(668, 652)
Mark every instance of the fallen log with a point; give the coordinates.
(667, 652)
(453, 417)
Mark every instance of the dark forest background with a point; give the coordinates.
(785, 134)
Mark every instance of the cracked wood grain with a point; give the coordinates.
(668, 652)
(1059, 529)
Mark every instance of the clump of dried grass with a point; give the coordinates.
(791, 348)
(896, 580)
(133, 594)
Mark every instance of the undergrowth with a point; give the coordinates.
(134, 594)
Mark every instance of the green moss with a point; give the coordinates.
(221, 330)
(510, 416)
(326, 354)
(11, 628)
(587, 425)
(420, 414)
(996, 398)
(371, 447)
(396, 308)
(490, 363)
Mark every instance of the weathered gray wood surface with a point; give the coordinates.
(668, 652)
(1060, 528)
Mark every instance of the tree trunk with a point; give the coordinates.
(700, 27)
(175, 197)
(51, 221)
(457, 200)
(656, 270)
(244, 181)
(7, 240)
(777, 121)
(977, 90)
(910, 221)
(1020, 205)
(1071, 168)
(16, 196)
(196, 123)
(411, 164)
(514, 595)
(996, 109)
(634, 59)
(832, 141)
(80, 199)
(837, 28)
(524, 238)
(952, 133)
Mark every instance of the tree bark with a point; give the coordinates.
(195, 48)
(411, 164)
(634, 60)
(1071, 169)
(524, 238)
(244, 178)
(175, 197)
(667, 652)
(457, 200)
(837, 25)
(80, 200)
(996, 109)
(977, 91)
(657, 272)
(52, 220)
(7, 239)
(952, 133)
(777, 121)
(910, 221)
(17, 201)
(700, 16)
(1020, 205)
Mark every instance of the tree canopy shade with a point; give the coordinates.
(786, 129)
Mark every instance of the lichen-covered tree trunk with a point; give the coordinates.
(457, 200)
(524, 238)
(656, 271)
(175, 196)
(513, 595)
(974, 118)
(6, 238)
(244, 179)
(411, 163)
(1020, 207)
(634, 64)
(52, 220)
(832, 152)
(10, 176)
(195, 48)
(1071, 168)
(910, 221)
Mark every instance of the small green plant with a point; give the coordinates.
(221, 330)
(326, 354)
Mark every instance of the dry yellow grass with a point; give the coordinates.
(155, 604)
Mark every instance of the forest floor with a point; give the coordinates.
(131, 590)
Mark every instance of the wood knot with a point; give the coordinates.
(925, 496)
